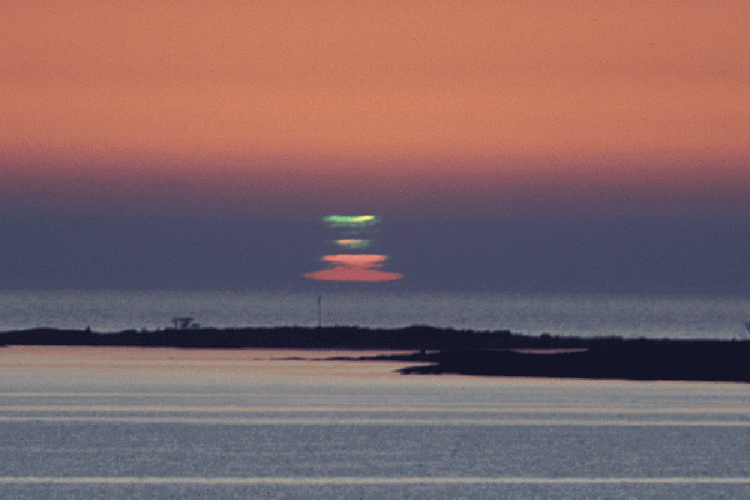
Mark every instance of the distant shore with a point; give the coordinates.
(485, 353)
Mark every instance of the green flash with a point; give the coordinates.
(350, 221)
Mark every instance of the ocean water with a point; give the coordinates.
(123, 423)
(629, 316)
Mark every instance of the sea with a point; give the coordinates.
(131, 423)
(563, 314)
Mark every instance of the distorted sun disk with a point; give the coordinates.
(359, 267)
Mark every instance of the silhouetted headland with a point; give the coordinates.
(486, 353)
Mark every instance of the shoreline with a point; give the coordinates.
(449, 351)
(419, 337)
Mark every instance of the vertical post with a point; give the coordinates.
(320, 314)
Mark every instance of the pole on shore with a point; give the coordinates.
(320, 314)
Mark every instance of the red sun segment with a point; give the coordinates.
(353, 274)
(346, 267)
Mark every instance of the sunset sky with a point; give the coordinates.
(463, 124)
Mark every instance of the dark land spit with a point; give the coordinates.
(486, 353)
(633, 360)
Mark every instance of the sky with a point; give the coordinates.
(582, 145)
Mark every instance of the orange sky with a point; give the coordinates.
(394, 96)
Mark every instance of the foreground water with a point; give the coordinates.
(176, 423)
(630, 316)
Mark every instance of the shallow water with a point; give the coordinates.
(133, 422)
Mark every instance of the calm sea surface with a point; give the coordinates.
(557, 314)
(129, 423)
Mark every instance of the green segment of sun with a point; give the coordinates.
(350, 221)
